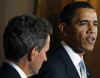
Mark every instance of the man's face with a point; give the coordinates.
(40, 57)
(85, 27)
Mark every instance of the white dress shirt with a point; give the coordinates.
(73, 56)
(18, 69)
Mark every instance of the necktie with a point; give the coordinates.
(82, 69)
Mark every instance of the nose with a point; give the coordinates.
(91, 29)
(45, 57)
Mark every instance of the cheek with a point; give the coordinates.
(42, 56)
(80, 33)
(96, 34)
(81, 36)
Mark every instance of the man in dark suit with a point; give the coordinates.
(78, 28)
(26, 42)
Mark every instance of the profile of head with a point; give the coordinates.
(26, 41)
(78, 24)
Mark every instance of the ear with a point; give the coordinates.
(43, 55)
(61, 27)
(33, 53)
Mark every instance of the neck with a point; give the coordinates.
(23, 64)
(81, 54)
(79, 50)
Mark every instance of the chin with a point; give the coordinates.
(36, 72)
(89, 48)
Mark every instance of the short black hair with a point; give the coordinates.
(23, 33)
(69, 10)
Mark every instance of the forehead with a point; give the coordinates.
(85, 13)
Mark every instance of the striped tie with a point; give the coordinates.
(82, 69)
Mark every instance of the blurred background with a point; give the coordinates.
(48, 9)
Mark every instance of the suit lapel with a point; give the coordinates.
(89, 73)
(71, 70)
(10, 70)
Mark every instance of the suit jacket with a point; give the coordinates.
(59, 65)
(7, 71)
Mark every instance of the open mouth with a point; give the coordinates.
(91, 40)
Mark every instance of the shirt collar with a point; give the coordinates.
(73, 55)
(18, 69)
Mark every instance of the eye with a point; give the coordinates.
(95, 23)
(83, 22)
